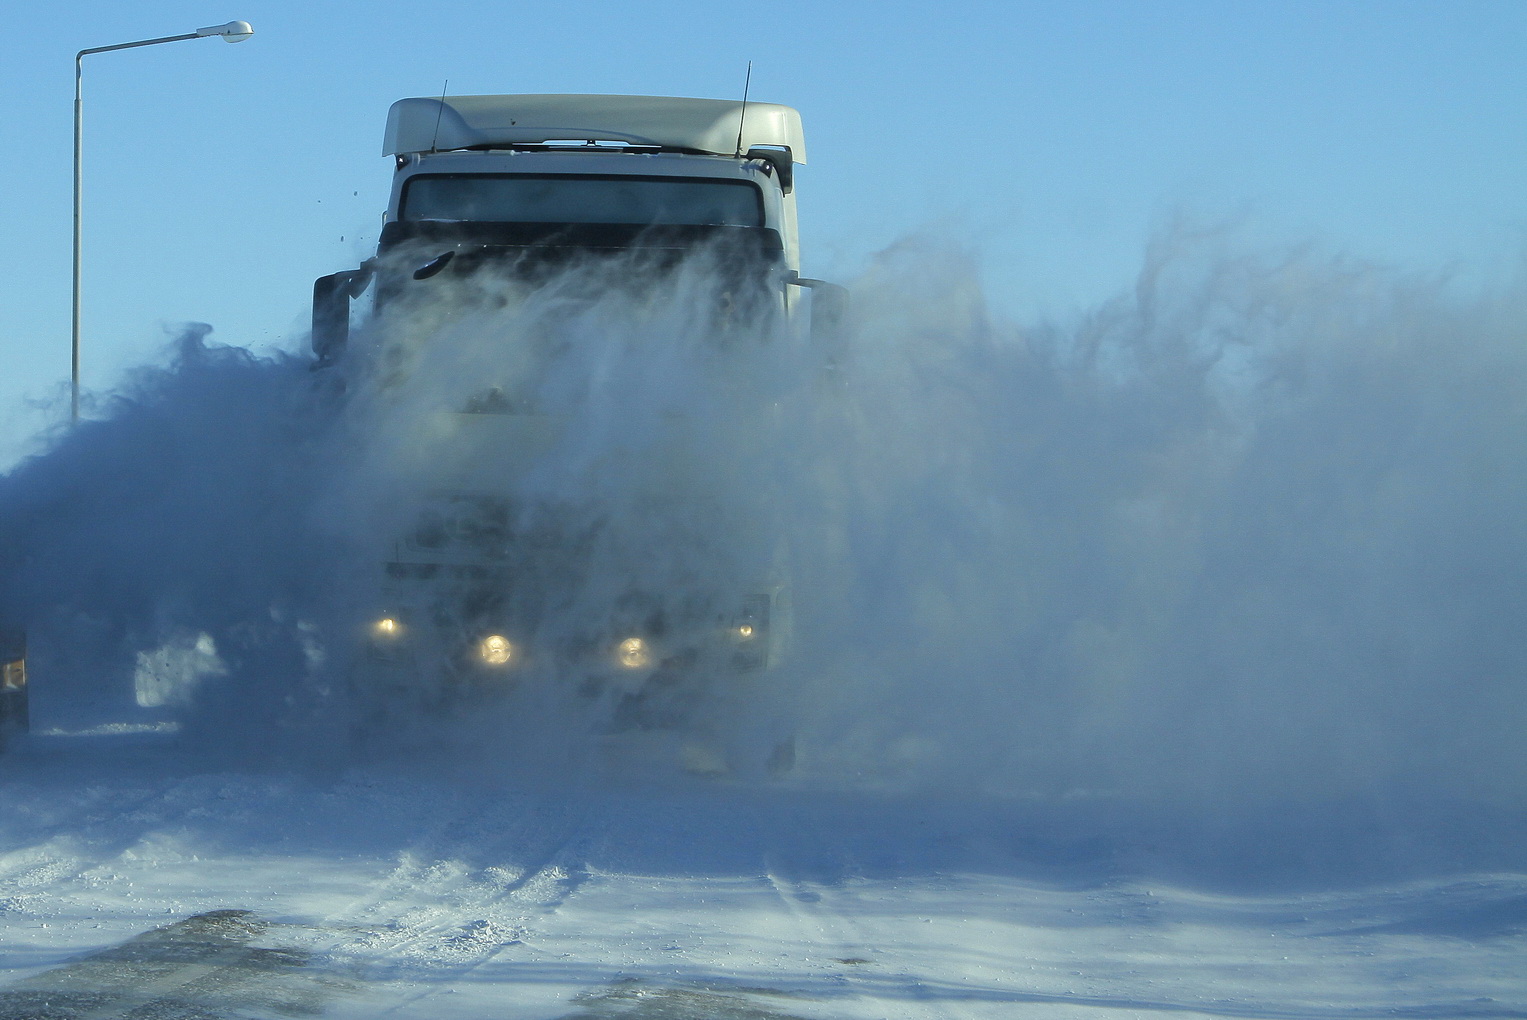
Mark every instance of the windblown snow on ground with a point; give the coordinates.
(382, 893)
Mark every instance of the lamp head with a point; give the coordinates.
(234, 31)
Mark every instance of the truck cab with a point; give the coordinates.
(527, 183)
(509, 191)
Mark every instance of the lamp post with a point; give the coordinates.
(234, 31)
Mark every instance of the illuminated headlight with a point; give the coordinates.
(495, 650)
(633, 653)
(387, 628)
(744, 632)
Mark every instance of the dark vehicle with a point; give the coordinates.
(14, 708)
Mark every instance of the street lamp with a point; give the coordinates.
(234, 31)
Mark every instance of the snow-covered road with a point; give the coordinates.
(135, 882)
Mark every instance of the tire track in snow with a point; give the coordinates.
(840, 948)
(472, 885)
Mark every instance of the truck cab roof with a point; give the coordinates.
(720, 127)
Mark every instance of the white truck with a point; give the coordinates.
(520, 187)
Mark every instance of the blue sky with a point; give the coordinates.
(1052, 137)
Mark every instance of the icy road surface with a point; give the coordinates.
(133, 884)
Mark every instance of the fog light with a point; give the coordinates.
(632, 653)
(495, 650)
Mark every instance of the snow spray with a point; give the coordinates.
(1249, 533)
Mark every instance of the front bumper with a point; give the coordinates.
(629, 649)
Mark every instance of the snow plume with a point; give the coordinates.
(572, 463)
(1250, 535)
(166, 550)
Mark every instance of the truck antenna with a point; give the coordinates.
(743, 117)
(440, 112)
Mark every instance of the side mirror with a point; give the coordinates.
(829, 305)
(829, 311)
(332, 295)
(829, 321)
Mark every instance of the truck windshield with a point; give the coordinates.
(585, 198)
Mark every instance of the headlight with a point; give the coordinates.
(632, 653)
(387, 628)
(744, 632)
(495, 650)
